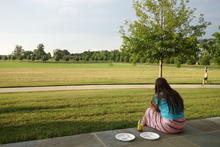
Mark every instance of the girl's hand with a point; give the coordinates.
(153, 105)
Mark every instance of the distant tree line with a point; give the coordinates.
(20, 54)
(209, 52)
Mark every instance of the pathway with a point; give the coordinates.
(86, 87)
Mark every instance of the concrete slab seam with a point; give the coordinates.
(99, 139)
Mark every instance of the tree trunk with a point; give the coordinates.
(161, 68)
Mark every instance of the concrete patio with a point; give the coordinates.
(202, 132)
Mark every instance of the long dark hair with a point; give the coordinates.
(174, 100)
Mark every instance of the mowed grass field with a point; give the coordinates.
(37, 115)
(15, 74)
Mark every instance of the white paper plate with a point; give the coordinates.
(125, 136)
(150, 135)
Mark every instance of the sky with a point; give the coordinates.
(76, 25)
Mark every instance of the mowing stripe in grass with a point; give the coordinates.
(45, 74)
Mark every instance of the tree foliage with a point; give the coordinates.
(39, 52)
(207, 50)
(18, 51)
(216, 50)
(61, 54)
(163, 29)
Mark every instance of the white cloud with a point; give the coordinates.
(75, 43)
(68, 11)
(70, 7)
(71, 1)
(88, 1)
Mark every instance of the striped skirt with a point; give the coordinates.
(153, 119)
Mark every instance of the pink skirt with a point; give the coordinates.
(154, 120)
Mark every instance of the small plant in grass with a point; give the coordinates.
(110, 63)
(177, 62)
(178, 65)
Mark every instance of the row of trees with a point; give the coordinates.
(211, 49)
(20, 54)
(64, 55)
(209, 52)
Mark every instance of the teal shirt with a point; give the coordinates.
(164, 109)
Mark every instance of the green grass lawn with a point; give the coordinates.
(13, 74)
(38, 115)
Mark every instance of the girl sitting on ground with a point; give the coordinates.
(167, 109)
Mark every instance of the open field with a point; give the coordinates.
(13, 74)
(37, 115)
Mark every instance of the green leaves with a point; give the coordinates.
(162, 29)
(216, 49)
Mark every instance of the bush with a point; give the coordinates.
(5, 58)
(44, 58)
(171, 61)
(191, 62)
(205, 60)
(57, 58)
(66, 58)
(29, 57)
(126, 59)
(217, 60)
(143, 60)
(177, 62)
(33, 58)
(13, 57)
(21, 58)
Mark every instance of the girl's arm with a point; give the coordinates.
(154, 106)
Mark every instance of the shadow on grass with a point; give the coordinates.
(35, 131)
(27, 109)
